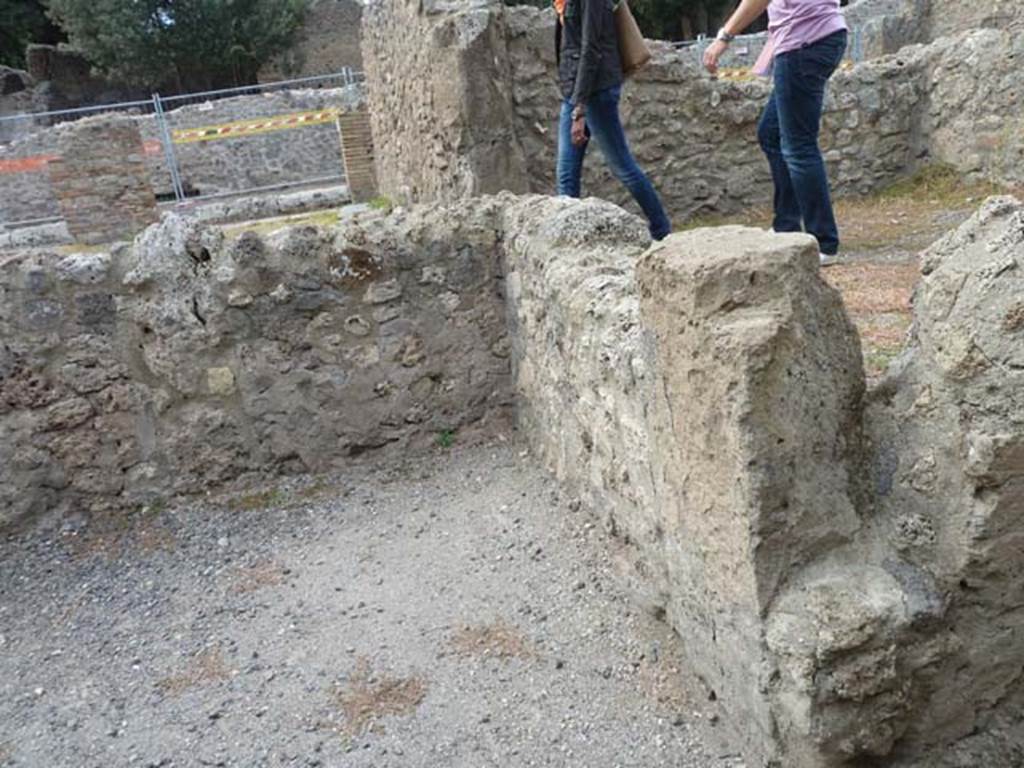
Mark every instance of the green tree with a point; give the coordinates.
(680, 19)
(186, 44)
(24, 22)
(669, 19)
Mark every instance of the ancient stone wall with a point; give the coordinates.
(844, 566)
(696, 136)
(881, 27)
(440, 99)
(100, 179)
(951, 17)
(329, 41)
(843, 569)
(209, 167)
(975, 117)
(186, 361)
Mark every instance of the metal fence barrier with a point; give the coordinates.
(174, 127)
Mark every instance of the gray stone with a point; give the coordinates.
(84, 268)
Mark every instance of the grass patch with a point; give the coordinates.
(367, 698)
(939, 184)
(912, 213)
(445, 438)
(204, 668)
(497, 640)
(381, 203)
(908, 215)
(258, 500)
(325, 218)
(320, 489)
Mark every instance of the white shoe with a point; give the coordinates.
(827, 260)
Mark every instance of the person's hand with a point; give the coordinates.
(713, 54)
(579, 131)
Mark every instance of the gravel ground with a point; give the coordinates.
(453, 610)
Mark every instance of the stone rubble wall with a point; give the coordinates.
(844, 566)
(882, 27)
(697, 136)
(694, 135)
(975, 117)
(952, 17)
(329, 41)
(209, 167)
(185, 361)
(439, 98)
(101, 181)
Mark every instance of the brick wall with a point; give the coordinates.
(101, 181)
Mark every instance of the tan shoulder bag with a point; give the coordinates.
(633, 48)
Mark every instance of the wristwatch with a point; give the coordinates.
(724, 36)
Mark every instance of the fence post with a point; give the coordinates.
(168, 144)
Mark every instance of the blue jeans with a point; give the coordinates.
(788, 134)
(604, 125)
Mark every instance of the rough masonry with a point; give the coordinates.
(101, 181)
(438, 139)
(207, 167)
(186, 361)
(843, 565)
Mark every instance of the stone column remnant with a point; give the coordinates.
(439, 89)
(844, 567)
(101, 180)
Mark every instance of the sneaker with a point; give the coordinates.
(828, 260)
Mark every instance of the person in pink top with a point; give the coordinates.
(806, 43)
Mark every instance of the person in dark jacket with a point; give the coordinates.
(590, 77)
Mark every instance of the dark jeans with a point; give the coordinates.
(788, 134)
(603, 124)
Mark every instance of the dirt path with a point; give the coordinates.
(883, 235)
(453, 611)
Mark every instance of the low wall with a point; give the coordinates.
(101, 181)
(209, 167)
(844, 566)
(439, 95)
(695, 135)
(951, 17)
(185, 361)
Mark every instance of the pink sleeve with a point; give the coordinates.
(763, 65)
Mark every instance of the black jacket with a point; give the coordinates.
(587, 46)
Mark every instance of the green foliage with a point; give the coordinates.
(678, 19)
(381, 203)
(186, 44)
(668, 19)
(445, 439)
(24, 22)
